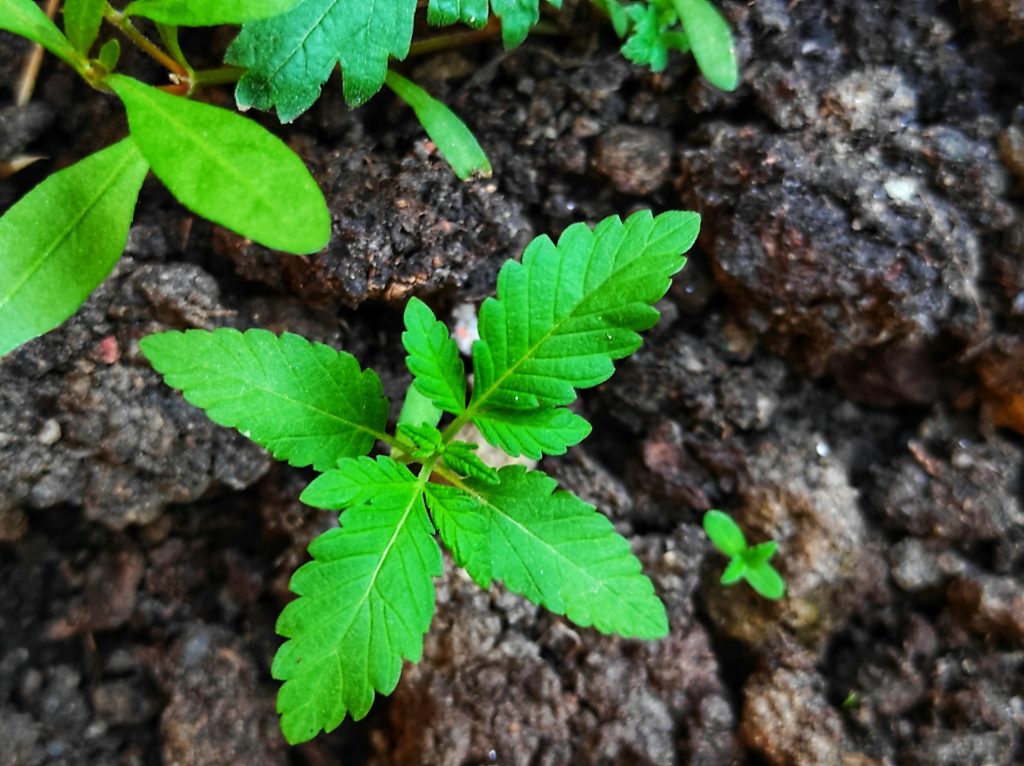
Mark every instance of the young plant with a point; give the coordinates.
(289, 57)
(560, 318)
(654, 28)
(65, 236)
(745, 562)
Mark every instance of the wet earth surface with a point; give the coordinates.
(840, 366)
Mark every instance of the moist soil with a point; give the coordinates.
(839, 366)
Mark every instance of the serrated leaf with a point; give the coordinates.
(724, 533)
(534, 433)
(433, 358)
(63, 238)
(425, 440)
(765, 580)
(555, 550)
(517, 16)
(618, 14)
(290, 56)
(568, 310)
(462, 458)
(24, 18)
(355, 481)
(734, 572)
(208, 13)
(474, 13)
(459, 522)
(82, 19)
(305, 402)
(454, 140)
(227, 168)
(654, 32)
(364, 603)
(711, 41)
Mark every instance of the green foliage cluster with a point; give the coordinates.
(654, 28)
(230, 170)
(748, 563)
(561, 317)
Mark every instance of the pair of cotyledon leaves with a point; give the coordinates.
(560, 318)
(746, 562)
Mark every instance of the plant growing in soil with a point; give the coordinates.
(748, 563)
(560, 318)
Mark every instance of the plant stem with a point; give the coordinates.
(143, 43)
(455, 40)
(223, 75)
(29, 75)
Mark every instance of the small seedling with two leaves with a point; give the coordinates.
(560, 319)
(748, 563)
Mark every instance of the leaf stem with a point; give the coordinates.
(455, 39)
(222, 75)
(123, 24)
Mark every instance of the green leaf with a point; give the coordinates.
(555, 550)
(24, 18)
(760, 553)
(454, 140)
(460, 524)
(462, 458)
(305, 402)
(618, 14)
(442, 13)
(63, 238)
(433, 358)
(568, 310)
(110, 54)
(724, 533)
(82, 19)
(654, 33)
(766, 581)
(364, 603)
(418, 410)
(734, 572)
(208, 13)
(289, 57)
(227, 168)
(426, 440)
(711, 41)
(517, 16)
(356, 481)
(534, 433)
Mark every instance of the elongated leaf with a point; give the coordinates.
(227, 168)
(356, 481)
(462, 458)
(724, 533)
(568, 310)
(711, 41)
(534, 433)
(364, 603)
(305, 402)
(734, 572)
(454, 140)
(208, 13)
(63, 238)
(433, 358)
(82, 19)
(554, 549)
(765, 580)
(24, 18)
(289, 57)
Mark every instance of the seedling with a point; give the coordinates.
(559, 320)
(745, 562)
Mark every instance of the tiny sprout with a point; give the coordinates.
(748, 563)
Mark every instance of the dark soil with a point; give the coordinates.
(841, 366)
